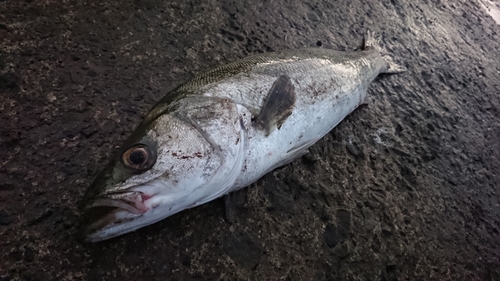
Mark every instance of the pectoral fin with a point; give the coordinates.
(278, 105)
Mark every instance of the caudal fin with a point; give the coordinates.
(369, 42)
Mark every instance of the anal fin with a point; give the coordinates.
(278, 105)
(233, 203)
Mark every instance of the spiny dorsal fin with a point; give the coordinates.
(278, 105)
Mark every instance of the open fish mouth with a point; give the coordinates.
(112, 209)
(131, 201)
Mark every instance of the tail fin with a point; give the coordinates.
(370, 42)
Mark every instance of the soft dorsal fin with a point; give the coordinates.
(278, 105)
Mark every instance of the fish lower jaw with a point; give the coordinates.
(121, 222)
(107, 226)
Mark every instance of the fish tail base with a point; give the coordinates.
(393, 68)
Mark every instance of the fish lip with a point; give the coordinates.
(131, 201)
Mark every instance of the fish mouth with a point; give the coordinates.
(110, 210)
(131, 201)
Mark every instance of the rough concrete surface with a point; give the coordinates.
(406, 188)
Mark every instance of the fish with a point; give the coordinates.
(226, 128)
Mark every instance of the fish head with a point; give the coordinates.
(160, 170)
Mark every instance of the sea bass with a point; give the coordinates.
(225, 129)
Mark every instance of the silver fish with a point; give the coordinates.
(226, 128)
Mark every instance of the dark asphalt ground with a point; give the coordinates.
(406, 188)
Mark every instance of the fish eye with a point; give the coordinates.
(138, 157)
